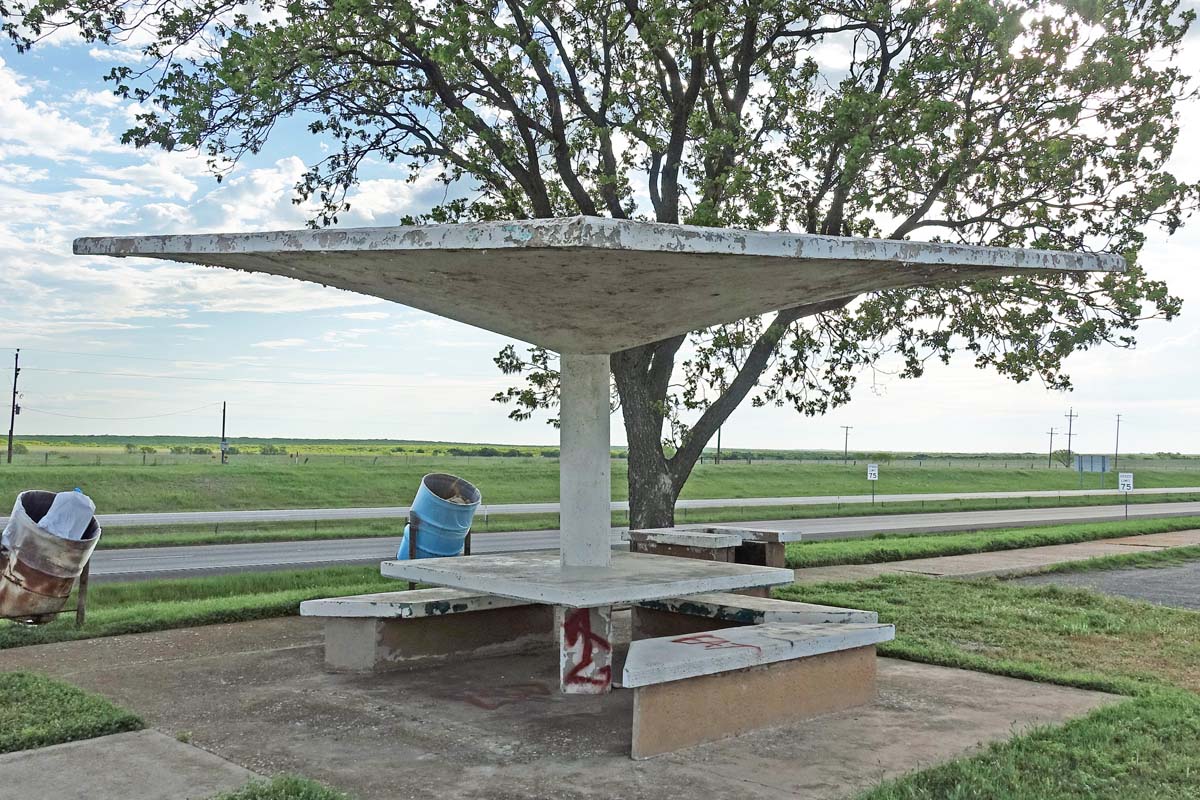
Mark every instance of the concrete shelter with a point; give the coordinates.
(587, 287)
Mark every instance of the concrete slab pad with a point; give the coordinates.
(540, 577)
(590, 284)
(255, 693)
(413, 604)
(1173, 539)
(147, 765)
(1010, 562)
(1002, 563)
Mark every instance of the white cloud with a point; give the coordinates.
(32, 127)
(276, 344)
(367, 315)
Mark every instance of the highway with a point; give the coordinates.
(162, 518)
(170, 562)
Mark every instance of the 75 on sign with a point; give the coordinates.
(1125, 484)
(872, 472)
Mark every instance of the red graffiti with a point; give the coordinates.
(577, 627)
(711, 642)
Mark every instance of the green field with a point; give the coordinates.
(331, 483)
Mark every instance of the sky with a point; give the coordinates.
(134, 347)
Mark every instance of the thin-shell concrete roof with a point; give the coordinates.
(591, 284)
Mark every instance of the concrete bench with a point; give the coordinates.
(684, 543)
(764, 547)
(675, 616)
(712, 685)
(399, 630)
(735, 545)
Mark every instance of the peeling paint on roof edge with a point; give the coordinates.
(601, 233)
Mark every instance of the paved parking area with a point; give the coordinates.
(1164, 586)
(256, 694)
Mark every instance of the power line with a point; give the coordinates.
(1071, 417)
(147, 416)
(1117, 445)
(12, 420)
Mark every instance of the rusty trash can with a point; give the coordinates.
(39, 569)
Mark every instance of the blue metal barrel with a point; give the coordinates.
(440, 516)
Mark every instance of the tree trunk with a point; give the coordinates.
(652, 494)
(652, 490)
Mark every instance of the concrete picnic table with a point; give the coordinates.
(588, 287)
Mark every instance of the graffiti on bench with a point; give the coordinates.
(710, 642)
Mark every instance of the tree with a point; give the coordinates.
(1064, 457)
(1003, 122)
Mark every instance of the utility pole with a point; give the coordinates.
(224, 443)
(1117, 446)
(718, 446)
(16, 409)
(1050, 458)
(846, 445)
(1071, 417)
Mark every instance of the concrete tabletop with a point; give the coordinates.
(540, 578)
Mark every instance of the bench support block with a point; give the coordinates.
(585, 649)
(671, 716)
(378, 645)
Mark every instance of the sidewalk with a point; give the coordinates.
(1003, 563)
(146, 765)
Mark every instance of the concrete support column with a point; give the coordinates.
(585, 491)
(585, 649)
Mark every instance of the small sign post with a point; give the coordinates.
(1125, 484)
(872, 477)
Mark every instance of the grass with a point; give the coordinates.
(284, 787)
(243, 533)
(1137, 750)
(137, 607)
(1140, 749)
(36, 711)
(141, 606)
(905, 546)
(1045, 633)
(282, 484)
